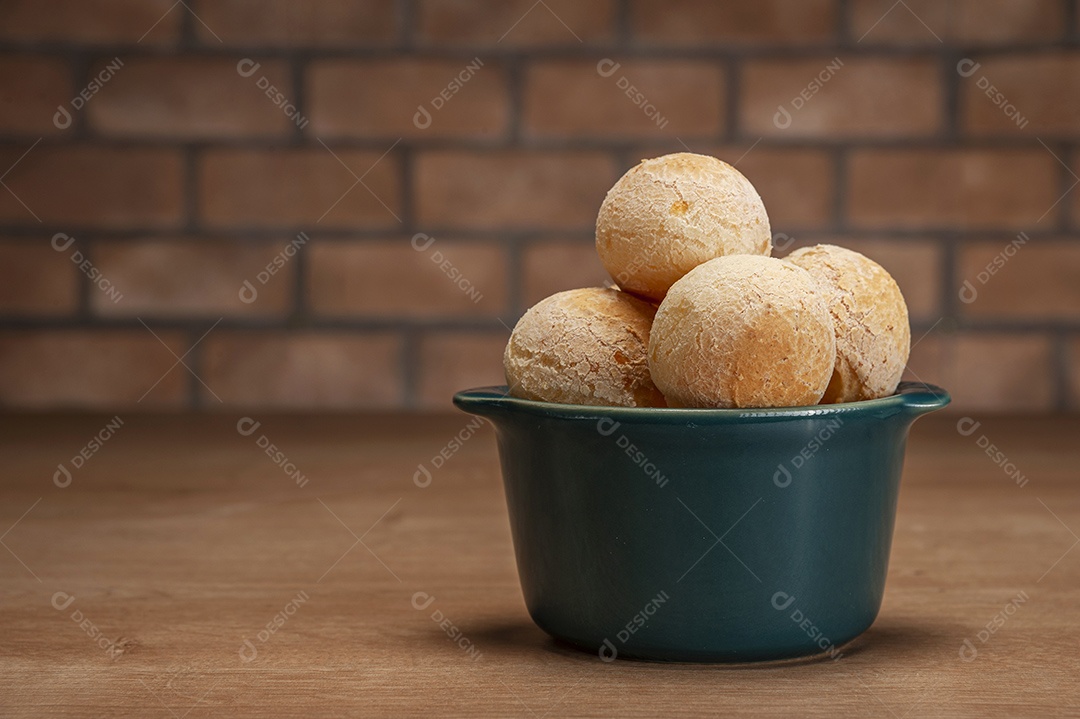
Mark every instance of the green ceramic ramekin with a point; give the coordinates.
(703, 535)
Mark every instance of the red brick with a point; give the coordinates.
(1073, 368)
(381, 98)
(451, 362)
(855, 98)
(183, 278)
(552, 266)
(92, 186)
(512, 189)
(284, 23)
(1040, 92)
(394, 279)
(35, 279)
(31, 88)
(60, 369)
(964, 21)
(190, 98)
(797, 185)
(706, 22)
(925, 362)
(1074, 193)
(915, 264)
(514, 23)
(930, 363)
(303, 370)
(261, 188)
(994, 372)
(633, 99)
(1007, 21)
(100, 22)
(1014, 278)
(962, 188)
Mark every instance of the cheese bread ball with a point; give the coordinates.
(873, 337)
(587, 346)
(667, 215)
(743, 331)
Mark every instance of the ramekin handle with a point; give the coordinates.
(920, 397)
(487, 402)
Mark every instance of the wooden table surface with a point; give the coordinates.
(183, 571)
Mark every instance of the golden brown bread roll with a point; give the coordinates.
(586, 346)
(743, 331)
(667, 215)
(873, 337)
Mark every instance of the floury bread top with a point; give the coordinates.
(702, 315)
(666, 216)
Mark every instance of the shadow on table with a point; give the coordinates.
(896, 640)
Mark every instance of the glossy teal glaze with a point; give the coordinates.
(703, 535)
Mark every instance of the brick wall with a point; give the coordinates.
(135, 223)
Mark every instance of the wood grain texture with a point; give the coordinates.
(180, 538)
